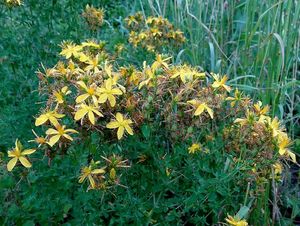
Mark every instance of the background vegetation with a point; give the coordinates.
(256, 43)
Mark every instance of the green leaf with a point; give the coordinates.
(243, 212)
(146, 131)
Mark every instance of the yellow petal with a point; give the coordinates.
(119, 117)
(101, 90)
(41, 120)
(58, 115)
(112, 100)
(92, 181)
(82, 98)
(95, 99)
(64, 89)
(51, 131)
(80, 114)
(230, 98)
(82, 178)
(215, 85)
(210, 112)
(293, 156)
(97, 113)
(71, 131)
(25, 162)
(53, 140)
(116, 92)
(192, 102)
(175, 75)
(199, 110)
(282, 151)
(112, 125)
(182, 77)
(11, 153)
(68, 137)
(91, 117)
(108, 84)
(128, 129)
(82, 84)
(11, 164)
(28, 151)
(227, 88)
(53, 120)
(120, 132)
(240, 120)
(142, 84)
(102, 98)
(98, 171)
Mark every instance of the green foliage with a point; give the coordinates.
(254, 42)
(198, 189)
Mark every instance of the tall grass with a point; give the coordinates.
(255, 42)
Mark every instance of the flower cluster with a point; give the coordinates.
(87, 92)
(93, 16)
(261, 135)
(104, 177)
(152, 33)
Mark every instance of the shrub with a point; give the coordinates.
(162, 143)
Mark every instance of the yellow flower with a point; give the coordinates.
(93, 64)
(131, 75)
(194, 147)
(160, 62)
(39, 140)
(93, 44)
(82, 57)
(260, 111)
(131, 19)
(155, 32)
(273, 124)
(89, 110)
(249, 120)
(277, 168)
(61, 68)
(91, 91)
(107, 93)
(150, 76)
(51, 116)
(150, 48)
(133, 38)
(220, 82)
(119, 48)
(122, 125)
(17, 154)
(112, 174)
(69, 50)
(200, 107)
(116, 161)
(283, 143)
(238, 96)
(60, 95)
(93, 16)
(88, 172)
(234, 221)
(108, 68)
(186, 73)
(142, 36)
(58, 132)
